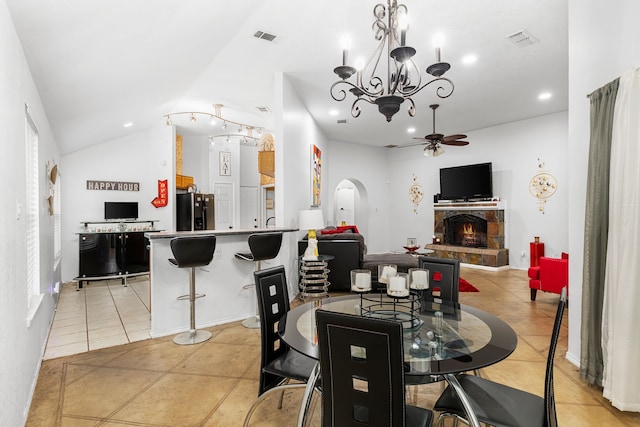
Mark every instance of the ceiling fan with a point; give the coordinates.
(434, 141)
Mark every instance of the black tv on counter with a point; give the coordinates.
(468, 182)
(120, 210)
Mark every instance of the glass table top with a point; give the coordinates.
(439, 338)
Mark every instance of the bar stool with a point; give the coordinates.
(263, 246)
(192, 252)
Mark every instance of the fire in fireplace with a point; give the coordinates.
(465, 230)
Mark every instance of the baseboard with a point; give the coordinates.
(485, 267)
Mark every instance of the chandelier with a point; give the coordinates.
(231, 129)
(402, 78)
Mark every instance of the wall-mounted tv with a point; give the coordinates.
(466, 182)
(120, 210)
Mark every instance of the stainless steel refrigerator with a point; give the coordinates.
(194, 211)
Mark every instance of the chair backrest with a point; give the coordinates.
(265, 245)
(193, 251)
(444, 274)
(273, 302)
(549, 397)
(361, 360)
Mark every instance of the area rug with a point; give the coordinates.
(466, 286)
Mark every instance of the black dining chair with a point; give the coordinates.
(361, 365)
(503, 406)
(444, 278)
(278, 362)
(263, 246)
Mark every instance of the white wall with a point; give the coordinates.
(295, 133)
(604, 42)
(369, 165)
(21, 345)
(514, 150)
(144, 157)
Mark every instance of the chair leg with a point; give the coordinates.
(533, 294)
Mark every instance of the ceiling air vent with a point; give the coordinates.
(263, 109)
(341, 121)
(264, 36)
(522, 38)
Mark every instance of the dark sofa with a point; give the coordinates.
(350, 253)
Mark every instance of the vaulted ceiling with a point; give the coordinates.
(102, 63)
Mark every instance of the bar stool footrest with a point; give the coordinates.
(187, 296)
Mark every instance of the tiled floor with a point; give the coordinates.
(157, 383)
(101, 314)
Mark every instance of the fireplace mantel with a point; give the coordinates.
(469, 206)
(494, 255)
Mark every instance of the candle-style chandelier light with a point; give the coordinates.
(402, 78)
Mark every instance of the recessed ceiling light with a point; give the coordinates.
(127, 125)
(333, 112)
(411, 130)
(544, 96)
(469, 59)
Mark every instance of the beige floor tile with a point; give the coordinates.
(177, 400)
(110, 341)
(104, 391)
(72, 338)
(65, 350)
(71, 328)
(138, 335)
(214, 359)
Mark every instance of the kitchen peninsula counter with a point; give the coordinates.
(221, 281)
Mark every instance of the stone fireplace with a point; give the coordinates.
(474, 233)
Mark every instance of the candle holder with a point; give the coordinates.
(418, 278)
(397, 287)
(360, 280)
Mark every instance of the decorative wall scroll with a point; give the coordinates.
(542, 186)
(416, 193)
(113, 185)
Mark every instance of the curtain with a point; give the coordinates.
(596, 231)
(620, 316)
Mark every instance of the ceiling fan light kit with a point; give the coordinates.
(402, 78)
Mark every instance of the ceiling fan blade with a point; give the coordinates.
(456, 143)
(454, 137)
(414, 144)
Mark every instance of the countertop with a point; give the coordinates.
(231, 232)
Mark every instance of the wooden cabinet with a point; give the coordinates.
(267, 163)
(183, 182)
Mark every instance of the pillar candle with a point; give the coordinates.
(419, 279)
(397, 284)
(363, 280)
(387, 272)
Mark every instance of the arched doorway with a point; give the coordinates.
(351, 204)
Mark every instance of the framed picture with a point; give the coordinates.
(316, 175)
(225, 163)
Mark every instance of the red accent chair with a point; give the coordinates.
(550, 276)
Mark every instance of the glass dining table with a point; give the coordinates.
(441, 339)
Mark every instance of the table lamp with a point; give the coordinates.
(311, 220)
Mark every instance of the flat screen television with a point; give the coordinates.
(120, 210)
(466, 182)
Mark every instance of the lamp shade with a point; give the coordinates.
(311, 220)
